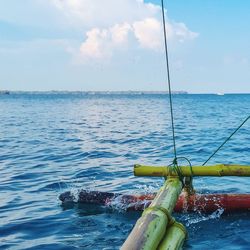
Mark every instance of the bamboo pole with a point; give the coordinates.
(150, 229)
(216, 170)
(175, 237)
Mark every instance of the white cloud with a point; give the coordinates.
(112, 24)
(181, 32)
(120, 33)
(148, 33)
(96, 44)
(100, 43)
(97, 13)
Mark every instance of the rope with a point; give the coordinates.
(190, 165)
(169, 82)
(188, 181)
(174, 167)
(171, 220)
(235, 131)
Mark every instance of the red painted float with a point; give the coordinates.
(186, 203)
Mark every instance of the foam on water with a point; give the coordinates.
(190, 219)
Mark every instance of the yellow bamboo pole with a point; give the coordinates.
(216, 170)
(150, 229)
(174, 238)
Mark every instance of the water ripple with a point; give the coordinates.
(53, 143)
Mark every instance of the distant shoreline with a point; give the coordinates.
(61, 92)
(92, 92)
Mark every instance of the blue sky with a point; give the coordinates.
(117, 45)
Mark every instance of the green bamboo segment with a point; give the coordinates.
(216, 170)
(168, 195)
(150, 229)
(175, 237)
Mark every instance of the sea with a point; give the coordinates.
(56, 142)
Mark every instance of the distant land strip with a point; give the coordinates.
(127, 92)
(94, 92)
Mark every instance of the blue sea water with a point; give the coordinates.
(54, 143)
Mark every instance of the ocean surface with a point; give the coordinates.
(52, 143)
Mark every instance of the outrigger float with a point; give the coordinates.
(186, 202)
(203, 203)
(157, 229)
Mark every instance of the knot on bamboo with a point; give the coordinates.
(171, 220)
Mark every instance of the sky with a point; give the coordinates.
(116, 45)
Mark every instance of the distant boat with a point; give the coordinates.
(4, 92)
(220, 94)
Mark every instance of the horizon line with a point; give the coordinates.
(121, 91)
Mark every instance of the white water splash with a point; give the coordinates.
(201, 217)
(148, 189)
(117, 204)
